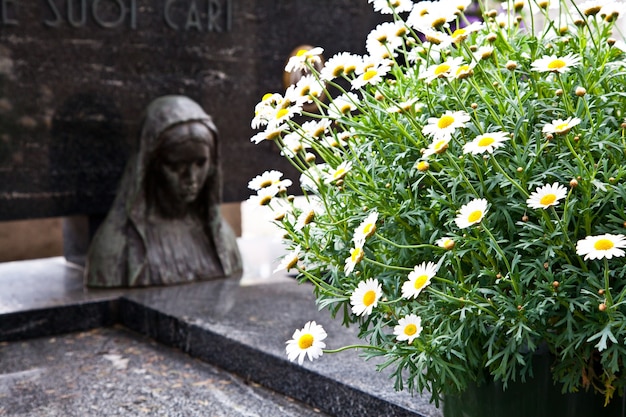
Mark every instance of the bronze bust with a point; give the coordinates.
(165, 225)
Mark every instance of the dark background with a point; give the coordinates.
(72, 92)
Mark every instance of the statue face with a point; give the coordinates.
(185, 161)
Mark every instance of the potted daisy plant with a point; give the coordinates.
(464, 188)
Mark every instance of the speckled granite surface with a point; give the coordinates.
(115, 372)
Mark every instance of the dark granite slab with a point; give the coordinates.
(115, 372)
(238, 324)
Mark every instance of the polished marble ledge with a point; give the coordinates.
(239, 324)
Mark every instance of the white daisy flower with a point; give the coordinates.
(546, 196)
(419, 279)
(264, 196)
(268, 179)
(305, 89)
(442, 127)
(264, 110)
(461, 34)
(293, 145)
(385, 38)
(290, 260)
(365, 297)
(342, 105)
(471, 213)
(365, 229)
(484, 52)
(372, 75)
(446, 243)
(408, 328)
(270, 133)
(316, 129)
(487, 142)
(391, 6)
(437, 146)
(340, 172)
(305, 218)
(561, 127)
(592, 7)
(299, 61)
(356, 256)
(437, 16)
(446, 69)
(460, 5)
(601, 246)
(553, 63)
(464, 71)
(343, 63)
(282, 114)
(307, 341)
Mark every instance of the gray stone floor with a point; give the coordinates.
(114, 372)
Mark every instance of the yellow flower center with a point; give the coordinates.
(356, 255)
(395, 3)
(410, 329)
(441, 146)
(345, 108)
(475, 216)
(561, 127)
(309, 217)
(442, 68)
(556, 64)
(266, 183)
(423, 166)
(292, 263)
(438, 22)
(370, 74)
(459, 33)
(281, 113)
(486, 141)
(603, 244)
(338, 71)
(301, 52)
(265, 200)
(267, 96)
(445, 121)
(369, 297)
(350, 69)
(420, 281)
(272, 135)
(547, 199)
(305, 341)
(463, 69)
(340, 173)
(318, 132)
(369, 229)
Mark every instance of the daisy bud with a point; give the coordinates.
(558, 92)
(422, 166)
(579, 23)
(546, 265)
(623, 125)
(593, 10)
(573, 183)
(388, 185)
(290, 198)
(473, 48)
(492, 13)
(511, 65)
(602, 307)
(520, 169)
(474, 106)
(580, 91)
(279, 217)
(499, 275)
(611, 41)
(378, 96)
(524, 218)
(601, 291)
(624, 224)
(543, 4)
(549, 136)
(492, 37)
(496, 84)
(555, 284)
(519, 308)
(612, 179)
(576, 138)
(309, 158)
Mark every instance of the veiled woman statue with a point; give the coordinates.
(165, 225)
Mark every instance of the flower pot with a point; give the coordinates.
(537, 397)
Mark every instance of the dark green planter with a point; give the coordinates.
(537, 397)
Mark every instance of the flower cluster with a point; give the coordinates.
(466, 191)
